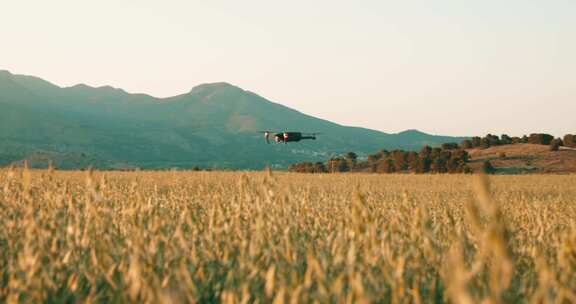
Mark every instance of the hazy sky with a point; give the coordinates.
(444, 67)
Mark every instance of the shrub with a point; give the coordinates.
(570, 140)
(555, 145)
(487, 167)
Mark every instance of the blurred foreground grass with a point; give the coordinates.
(285, 238)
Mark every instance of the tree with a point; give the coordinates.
(435, 153)
(424, 164)
(464, 168)
(337, 164)
(493, 140)
(485, 143)
(343, 166)
(426, 150)
(540, 139)
(351, 155)
(476, 141)
(466, 144)
(399, 160)
(439, 165)
(457, 162)
(413, 161)
(372, 158)
(304, 167)
(487, 167)
(505, 139)
(383, 153)
(294, 168)
(516, 140)
(453, 165)
(570, 140)
(461, 155)
(351, 158)
(555, 145)
(446, 154)
(386, 166)
(319, 167)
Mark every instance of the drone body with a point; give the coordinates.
(286, 137)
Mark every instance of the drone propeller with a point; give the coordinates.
(266, 136)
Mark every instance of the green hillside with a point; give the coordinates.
(214, 125)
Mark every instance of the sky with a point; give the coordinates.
(443, 67)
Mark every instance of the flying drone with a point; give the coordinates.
(286, 137)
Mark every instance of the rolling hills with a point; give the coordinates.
(212, 126)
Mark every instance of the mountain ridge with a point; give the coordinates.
(212, 125)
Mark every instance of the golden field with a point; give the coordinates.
(260, 237)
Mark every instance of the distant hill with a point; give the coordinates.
(525, 158)
(214, 125)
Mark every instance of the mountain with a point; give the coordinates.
(214, 125)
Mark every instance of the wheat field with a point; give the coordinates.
(271, 237)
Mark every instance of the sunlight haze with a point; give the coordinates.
(444, 67)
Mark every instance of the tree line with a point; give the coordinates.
(569, 140)
(446, 159)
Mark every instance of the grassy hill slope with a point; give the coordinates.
(213, 125)
(525, 158)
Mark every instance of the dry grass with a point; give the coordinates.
(285, 238)
(526, 158)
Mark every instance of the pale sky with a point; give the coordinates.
(443, 67)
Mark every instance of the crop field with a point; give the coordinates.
(271, 237)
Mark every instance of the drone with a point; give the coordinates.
(286, 137)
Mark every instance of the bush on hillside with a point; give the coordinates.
(540, 139)
(555, 144)
(487, 167)
(570, 140)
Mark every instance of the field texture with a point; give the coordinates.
(286, 238)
